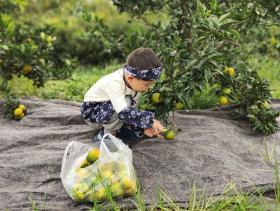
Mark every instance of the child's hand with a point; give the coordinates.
(157, 126)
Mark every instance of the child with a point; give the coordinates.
(111, 101)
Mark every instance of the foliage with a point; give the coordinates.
(202, 38)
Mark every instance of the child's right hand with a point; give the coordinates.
(155, 130)
(158, 128)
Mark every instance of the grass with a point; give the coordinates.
(269, 69)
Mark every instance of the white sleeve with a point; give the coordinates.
(116, 93)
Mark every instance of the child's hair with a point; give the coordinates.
(143, 59)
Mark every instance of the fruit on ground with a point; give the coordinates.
(156, 98)
(169, 135)
(26, 69)
(22, 107)
(226, 91)
(93, 155)
(223, 100)
(18, 112)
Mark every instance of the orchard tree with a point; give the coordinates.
(201, 47)
(25, 51)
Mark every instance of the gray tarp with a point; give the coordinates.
(210, 151)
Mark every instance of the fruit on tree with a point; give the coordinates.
(223, 100)
(156, 98)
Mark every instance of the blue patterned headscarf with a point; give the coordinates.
(147, 75)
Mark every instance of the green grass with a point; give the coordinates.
(71, 89)
(269, 69)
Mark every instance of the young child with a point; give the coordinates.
(111, 102)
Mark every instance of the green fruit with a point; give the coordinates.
(265, 105)
(253, 109)
(84, 164)
(223, 100)
(169, 135)
(117, 189)
(179, 105)
(226, 91)
(156, 98)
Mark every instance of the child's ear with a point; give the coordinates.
(130, 78)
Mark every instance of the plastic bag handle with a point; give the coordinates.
(118, 143)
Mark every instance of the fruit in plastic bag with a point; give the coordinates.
(93, 155)
(79, 190)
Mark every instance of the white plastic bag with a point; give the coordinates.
(111, 174)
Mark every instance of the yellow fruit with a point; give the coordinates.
(79, 190)
(18, 112)
(91, 197)
(26, 69)
(223, 100)
(230, 71)
(101, 194)
(84, 164)
(169, 135)
(107, 174)
(117, 189)
(22, 107)
(128, 183)
(20, 117)
(156, 98)
(226, 91)
(179, 106)
(129, 186)
(93, 155)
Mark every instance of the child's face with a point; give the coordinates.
(139, 85)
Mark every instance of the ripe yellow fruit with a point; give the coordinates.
(179, 105)
(156, 98)
(117, 189)
(129, 186)
(20, 117)
(22, 107)
(128, 183)
(226, 91)
(101, 194)
(18, 112)
(84, 164)
(230, 71)
(93, 155)
(79, 190)
(107, 174)
(223, 100)
(26, 69)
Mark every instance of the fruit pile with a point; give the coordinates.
(96, 183)
(19, 112)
